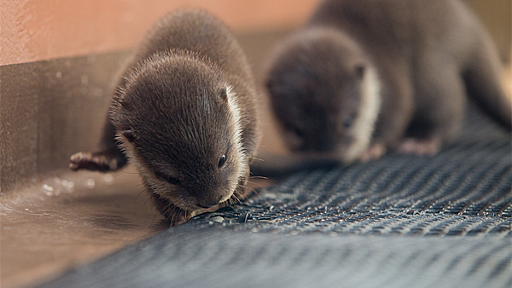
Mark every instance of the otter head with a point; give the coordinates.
(324, 93)
(177, 120)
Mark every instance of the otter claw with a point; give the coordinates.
(93, 161)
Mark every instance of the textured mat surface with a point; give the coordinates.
(401, 221)
(209, 257)
(464, 190)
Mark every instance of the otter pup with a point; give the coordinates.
(184, 113)
(366, 76)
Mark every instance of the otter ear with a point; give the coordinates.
(223, 93)
(360, 69)
(128, 134)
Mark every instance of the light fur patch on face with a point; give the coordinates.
(368, 112)
(237, 136)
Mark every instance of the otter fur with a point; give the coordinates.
(363, 77)
(185, 115)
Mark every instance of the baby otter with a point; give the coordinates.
(184, 113)
(366, 76)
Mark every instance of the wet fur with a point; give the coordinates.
(422, 58)
(186, 98)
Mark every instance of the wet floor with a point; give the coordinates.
(73, 219)
(69, 220)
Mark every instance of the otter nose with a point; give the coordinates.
(207, 203)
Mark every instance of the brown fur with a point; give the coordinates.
(426, 54)
(174, 116)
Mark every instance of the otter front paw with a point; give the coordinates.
(374, 152)
(98, 161)
(420, 146)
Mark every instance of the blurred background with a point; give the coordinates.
(43, 29)
(57, 62)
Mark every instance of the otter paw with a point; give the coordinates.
(98, 161)
(374, 152)
(420, 147)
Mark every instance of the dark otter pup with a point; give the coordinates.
(366, 76)
(184, 114)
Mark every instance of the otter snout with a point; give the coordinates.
(211, 198)
(209, 202)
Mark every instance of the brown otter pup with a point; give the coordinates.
(184, 113)
(366, 76)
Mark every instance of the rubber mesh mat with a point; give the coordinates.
(464, 190)
(401, 221)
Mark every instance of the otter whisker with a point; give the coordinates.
(250, 182)
(236, 198)
(130, 173)
(252, 190)
(258, 177)
(256, 158)
(153, 221)
(148, 199)
(145, 190)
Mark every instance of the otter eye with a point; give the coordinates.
(170, 179)
(222, 160)
(348, 122)
(297, 132)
